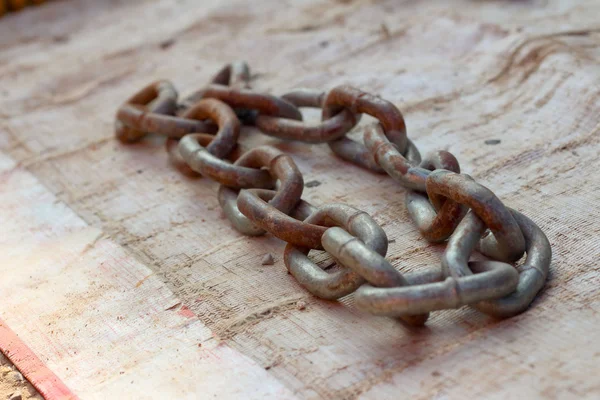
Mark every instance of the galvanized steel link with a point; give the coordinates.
(402, 168)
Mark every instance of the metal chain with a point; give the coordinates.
(261, 191)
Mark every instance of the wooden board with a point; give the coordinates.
(126, 280)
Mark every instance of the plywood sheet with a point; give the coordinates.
(120, 266)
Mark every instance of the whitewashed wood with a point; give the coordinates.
(462, 72)
(103, 322)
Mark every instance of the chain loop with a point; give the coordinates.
(159, 97)
(507, 242)
(235, 75)
(334, 285)
(351, 252)
(287, 196)
(149, 111)
(435, 225)
(400, 168)
(532, 274)
(329, 129)
(253, 204)
(202, 161)
(358, 102)
(228, 201)
(226, 120)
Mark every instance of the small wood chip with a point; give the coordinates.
(301, 305)
(167, 43)
(385, 31)
(493, 141)
(268, 259)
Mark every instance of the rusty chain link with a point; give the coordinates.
(260, 191)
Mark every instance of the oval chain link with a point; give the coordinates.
(326, 285)
(532, 274)
(436, 225)
(150, 110)
(329, 129)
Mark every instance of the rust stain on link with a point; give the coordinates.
(253, 204)
(228, 201)
(435, 225)
(359, 102)
(532, 274)
(228, 123)
(249, 99)
(159, 97)
(441, 159)
(15, 5)
(402, 169)
(507, 242)
(148, 111)
(281, 167)
(327, 130)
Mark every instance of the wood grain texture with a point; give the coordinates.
(462, 72)
(97, 318)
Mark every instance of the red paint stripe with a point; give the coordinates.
(32, 368)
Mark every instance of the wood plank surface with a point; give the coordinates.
(117, 267)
